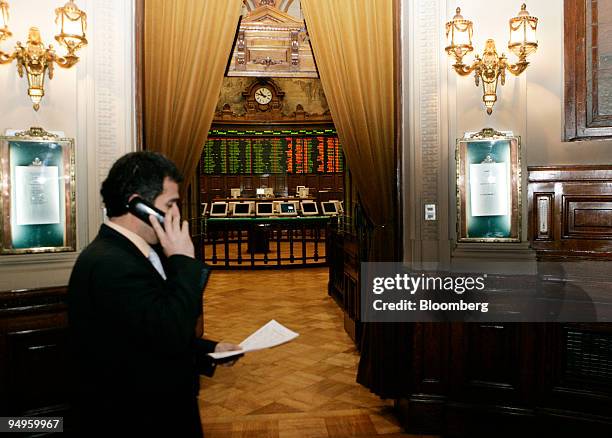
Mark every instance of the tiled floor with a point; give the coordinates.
(305, 388)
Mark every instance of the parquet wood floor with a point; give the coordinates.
(305, 388)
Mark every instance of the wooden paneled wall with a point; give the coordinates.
(570, 211)
(33, 351)
(344, 278)
(509, 379)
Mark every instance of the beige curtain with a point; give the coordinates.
(187, 44)
(353, 44)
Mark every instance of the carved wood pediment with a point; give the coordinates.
(269, 15)
(272, 43)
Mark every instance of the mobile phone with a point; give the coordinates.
(142, 209)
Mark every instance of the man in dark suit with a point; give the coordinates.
(133, 311)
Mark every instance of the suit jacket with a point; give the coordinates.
(133, 335)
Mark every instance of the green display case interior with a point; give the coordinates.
(496, 226)
(38, 209)
(488, 187)
(38, 235)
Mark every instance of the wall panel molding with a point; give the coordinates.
(112, 96)
(425, 124)
(580, 212)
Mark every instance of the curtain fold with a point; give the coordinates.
(187, 44)
(353, 44)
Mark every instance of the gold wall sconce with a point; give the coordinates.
(491, 67)
(34, 58)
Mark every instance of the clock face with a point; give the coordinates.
(263, 95)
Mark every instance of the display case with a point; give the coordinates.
(488, 187)
(37, 176)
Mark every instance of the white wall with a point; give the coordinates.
(530, 105)
(92, 102)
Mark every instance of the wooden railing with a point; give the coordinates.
(265, 242)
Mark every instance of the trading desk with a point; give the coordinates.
(267, 219)
(298, 240)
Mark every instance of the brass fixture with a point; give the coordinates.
(34, 58)
(491, 67)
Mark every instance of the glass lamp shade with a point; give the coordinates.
(4, 20)
(459, 36)
(71, 26)
(523, 41)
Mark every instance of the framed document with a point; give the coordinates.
(38, 193)
(488, 187)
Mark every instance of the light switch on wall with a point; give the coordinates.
(430, 212)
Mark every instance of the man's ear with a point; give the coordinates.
(133, 195)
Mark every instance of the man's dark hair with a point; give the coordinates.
(140, 173)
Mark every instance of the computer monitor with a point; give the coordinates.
(260, 191)
(265, 209)
(204, 208)
(235, 193)
(303, 192)
(309, 208)
(287, 209)
(329, 208)
(218, 209)
(242, 208)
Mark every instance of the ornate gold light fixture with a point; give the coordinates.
(34, 58)
(491, 67)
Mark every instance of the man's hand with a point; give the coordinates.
(226, 346)
(173, 237)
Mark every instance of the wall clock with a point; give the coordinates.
(263, 95)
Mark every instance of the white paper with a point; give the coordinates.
(489, 194)
(37, 195)
(267, 336)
